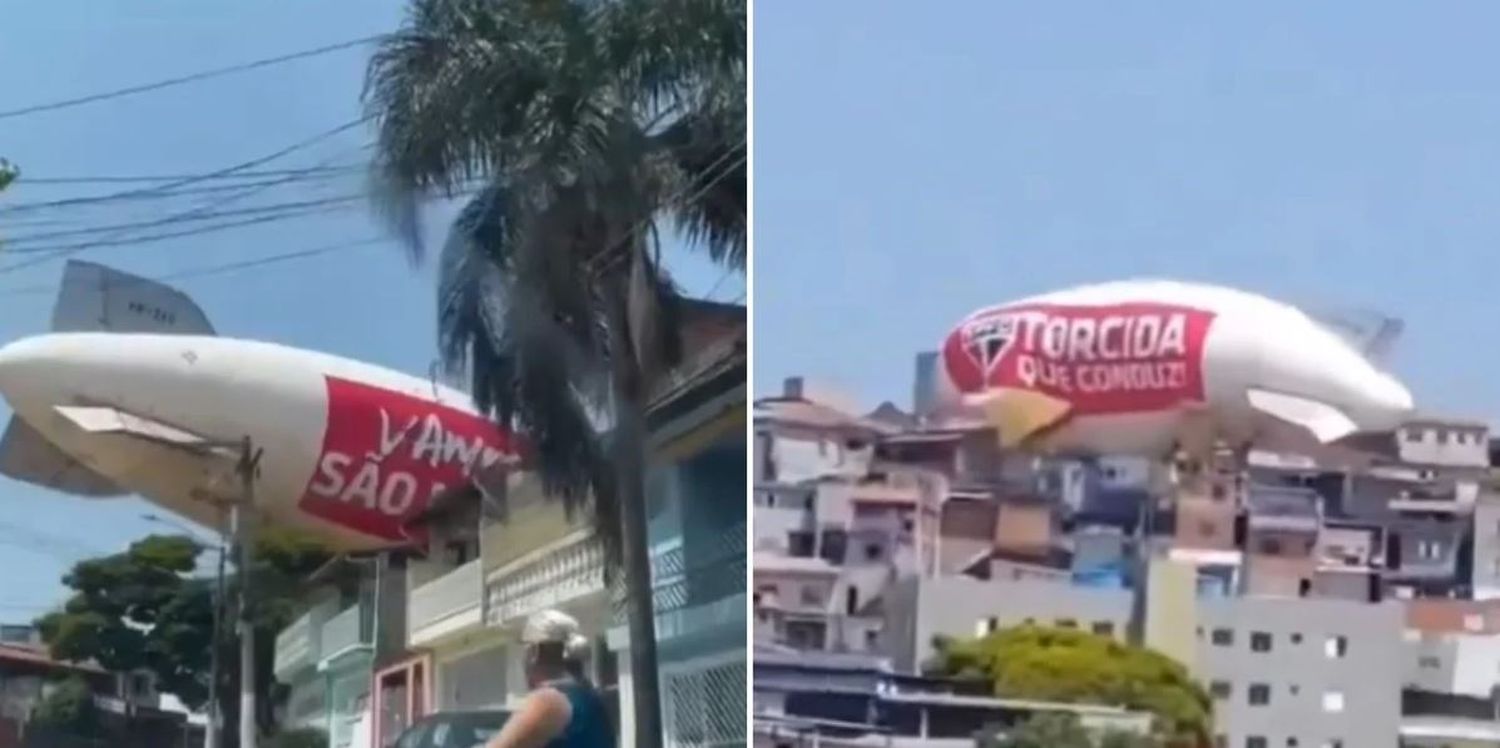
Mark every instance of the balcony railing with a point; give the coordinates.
(351, 628)
(298, 645)
(452, 594)
(570, 570)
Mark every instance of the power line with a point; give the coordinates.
(287, 207)
(245, 166)
(126, 179)
(309, 175)
(251, 190)
(143, 88)
(221, 268)
(66, 250)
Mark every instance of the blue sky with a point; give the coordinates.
(911, 165)
(366, 303)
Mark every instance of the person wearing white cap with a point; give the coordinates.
(563, 710)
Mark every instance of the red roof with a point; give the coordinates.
(40, 656)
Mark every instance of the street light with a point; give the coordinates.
(211, 735)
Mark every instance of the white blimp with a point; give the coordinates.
(1146, 367)
(133, 393)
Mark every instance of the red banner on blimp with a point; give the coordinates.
(1115, 358)
(386, 454)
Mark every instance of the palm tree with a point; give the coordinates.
(578, 129)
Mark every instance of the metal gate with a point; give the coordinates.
(704, 702)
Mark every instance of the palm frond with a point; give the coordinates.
(566, 444)
(706, 153)
(664, 50)
(588, 122)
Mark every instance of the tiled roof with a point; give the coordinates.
(816, 415)
(1454, 616)
(40, 656)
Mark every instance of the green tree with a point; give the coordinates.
(1048, 731)
(147, 609)
(8, 174)
(1062, 730)
(306, 738)
(68, 707)
(586, 127)
(1071, 666)
(1128, 740)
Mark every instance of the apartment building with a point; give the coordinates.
(800, 439)
(1452, 670)
(1304, 672)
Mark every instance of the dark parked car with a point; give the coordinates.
(453, 730)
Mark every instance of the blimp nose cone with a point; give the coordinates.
(23, 364)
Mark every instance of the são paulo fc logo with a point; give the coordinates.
(988, 339)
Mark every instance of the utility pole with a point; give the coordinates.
(241, 519)
(215, 718)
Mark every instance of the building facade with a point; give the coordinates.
(1303, 672)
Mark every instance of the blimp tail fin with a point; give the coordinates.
(27, 456)
(1327, 423)
(96, 298)
(1019, 415)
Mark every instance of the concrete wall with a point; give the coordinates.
(780, 511)
(1467, 664)
(1486, 553)
(1333, 670)
(917, 610)
(1448, 445)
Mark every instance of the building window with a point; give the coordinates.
(1260, 694)
(1104, 628)
(1335, 647)
(872, 638)
(799, 544)
(1334, 743)
(1223, 637)
(1291, 743)
(1333, 702)
(1221, 689)
(1255, 741)
(1218, 492)
(812, 595)
(1429, 550)
(1429, 662)
(1260, 641)
(1067, 623)
(1270, 546)
(872, 552)
(1296, 638)
(1206, 529)
(835, 545)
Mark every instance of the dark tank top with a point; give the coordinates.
(589, 724)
